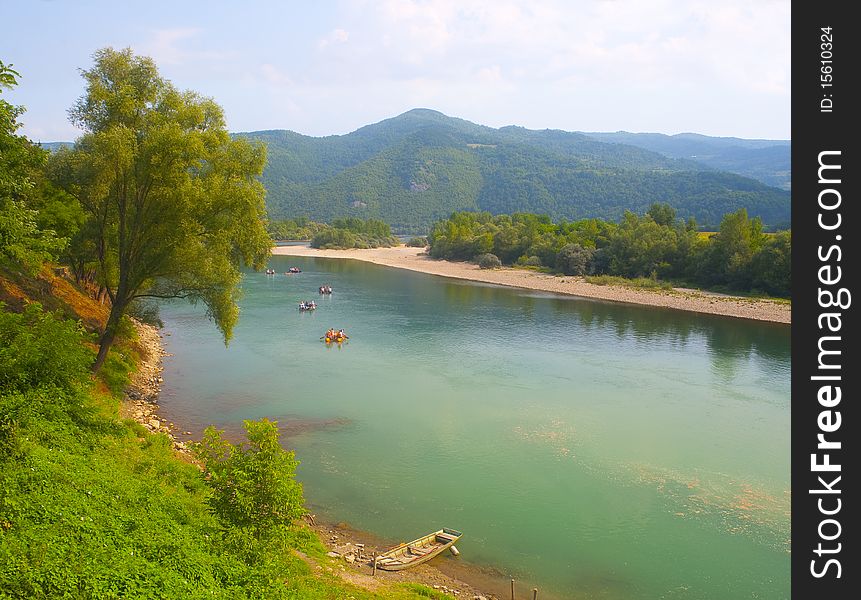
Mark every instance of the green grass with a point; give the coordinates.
(423, 591)
(95, 507)
(639, 283)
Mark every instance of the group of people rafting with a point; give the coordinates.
(290, 271)
(332, 335)
(335, 336)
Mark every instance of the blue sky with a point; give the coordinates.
(717, 67)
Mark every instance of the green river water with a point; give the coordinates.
(592, 449)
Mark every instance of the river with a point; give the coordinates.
(593, 449)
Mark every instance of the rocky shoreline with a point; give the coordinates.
(141, 395)
(351, 551)
(353, 554)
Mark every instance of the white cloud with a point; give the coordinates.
(336, 36)
(169, 47)
(274, 75)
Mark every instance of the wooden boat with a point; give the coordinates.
(417, 551)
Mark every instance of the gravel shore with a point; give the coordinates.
(141, 395)
(415, 259)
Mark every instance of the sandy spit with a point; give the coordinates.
(415, 259)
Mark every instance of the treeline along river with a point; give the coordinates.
(596, 450)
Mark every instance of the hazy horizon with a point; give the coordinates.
(682, 133)
(661, 66)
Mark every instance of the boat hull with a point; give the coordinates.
(421, 550)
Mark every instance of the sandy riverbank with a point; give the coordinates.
(415, 259)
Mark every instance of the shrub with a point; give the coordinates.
(417, 242)
(529, 261)
(488, 261)
(38, 348)
(253, 485)
(574, 259)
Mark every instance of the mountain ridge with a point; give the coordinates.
(421, 165)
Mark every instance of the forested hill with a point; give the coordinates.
(421, 166)
(767, 161)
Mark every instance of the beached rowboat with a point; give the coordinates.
(417, 551)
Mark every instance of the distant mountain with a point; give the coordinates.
(768, 161)
(420, 166)
(54, 146)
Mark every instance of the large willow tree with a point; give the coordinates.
(174, 203)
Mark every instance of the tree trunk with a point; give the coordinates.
(107, 339)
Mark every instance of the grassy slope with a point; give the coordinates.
(95, 507)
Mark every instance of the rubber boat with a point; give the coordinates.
(418, 551)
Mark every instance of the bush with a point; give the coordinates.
(574, 259)
(38, 349)
(254, 493)
(417, 242)
(488, 261)
(529, 261)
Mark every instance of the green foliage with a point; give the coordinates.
(298, 228)
(40, 349)
(352, 232)
(422, 591)
(662, 213)
(174, 205)
(739, 257)
(641, 246)
(529, 261)
(254, 493)
(771, 266)
(417, 242)
(768, 161)
(91, 507)
(22, 240)
(488, 261)
(419, 167)
(115, 372)
(645, 283)
(574, 259)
